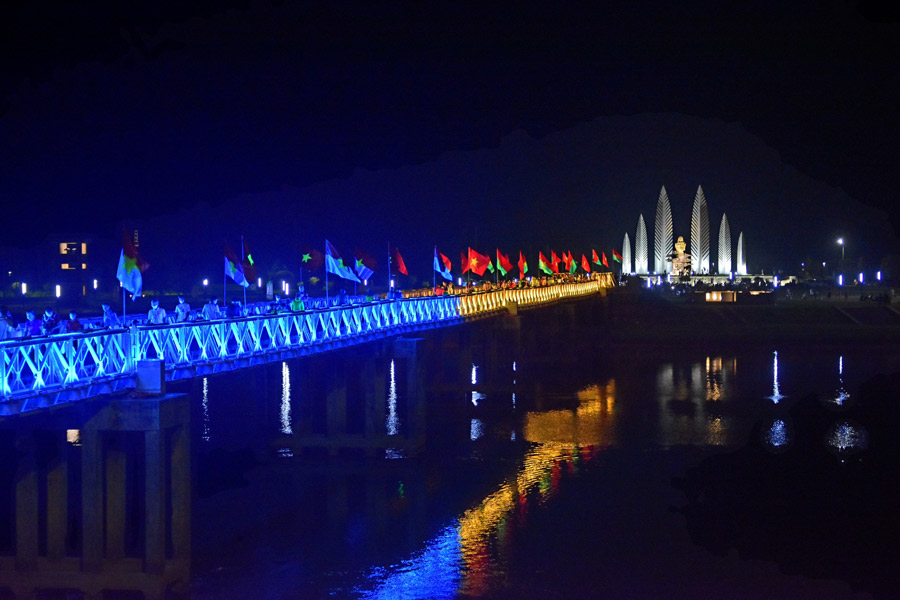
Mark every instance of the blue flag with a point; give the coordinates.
(442, 265)
(335, 264)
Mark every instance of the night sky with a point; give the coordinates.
(520, 125)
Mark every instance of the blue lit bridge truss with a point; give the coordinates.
(46, 371)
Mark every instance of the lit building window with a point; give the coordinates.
(83, 248)
(83, 266)
(66, 266)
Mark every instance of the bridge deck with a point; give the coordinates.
(46, 371)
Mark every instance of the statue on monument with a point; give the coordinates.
(681, 261)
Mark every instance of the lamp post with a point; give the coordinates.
(840, 242)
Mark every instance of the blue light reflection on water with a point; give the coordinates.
(776, 396)
(433, 572)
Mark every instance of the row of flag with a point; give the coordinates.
(243, 270)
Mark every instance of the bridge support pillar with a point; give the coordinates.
(57, 498)
(412, 351)
(26, 502)
(336, 404)
(374, 392)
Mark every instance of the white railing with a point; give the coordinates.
(74, 366)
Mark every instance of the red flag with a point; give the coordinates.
(596, 258)
(605, 264)
(401, 266)
(478, 263)
(554, 262)
(311, 259)
(616, 256)
(503, 262)
(464, 262)
(567, 260)
(523, 266)
(585, 264)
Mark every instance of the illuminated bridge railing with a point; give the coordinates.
(45, 371)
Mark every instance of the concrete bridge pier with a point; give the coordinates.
(412, 351)
(126, 447)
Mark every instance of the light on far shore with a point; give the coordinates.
(259, 282)
(205, 282)
(841, 279)
(95, 284)
(58, 290)
(24, 288)
(861, 277)
(878, 275)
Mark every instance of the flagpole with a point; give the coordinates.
(326, 274)
(123, 305)
(242, 266)
(389, 270)
(434, 274)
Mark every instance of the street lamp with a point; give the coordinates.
(840, 242)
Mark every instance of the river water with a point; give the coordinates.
(548, 468)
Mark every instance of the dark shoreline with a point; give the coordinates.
(629, 318)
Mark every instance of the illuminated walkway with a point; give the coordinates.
(51, 370)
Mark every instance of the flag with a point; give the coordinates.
(573, 266)
(401, 266)
(585, 264)
(543, 265)
(490, 266)
(503, 263)
(335, 264)
(596, 258)
(464, 262)
(442, 265)
(131, 267)
(365, 264)
(311, 259)
(605, 264)
(554, 261)
(248, 263)
(478, 262)
(234, 269)
(616, 256)
(523, 266)
(567, 260)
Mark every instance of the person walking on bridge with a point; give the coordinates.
(182, 311)
(110, 318)
(156, 315)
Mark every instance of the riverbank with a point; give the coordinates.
(650, 317)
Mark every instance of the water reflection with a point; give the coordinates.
(777, 436)
(591, 423)
(840, 397)
(286, 399)
(846, 438)
(689, 398)
(393, 420)
(776, 396)
(476, 429)
(463, 558)
(204, 404)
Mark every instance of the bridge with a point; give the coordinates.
(48, 371)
